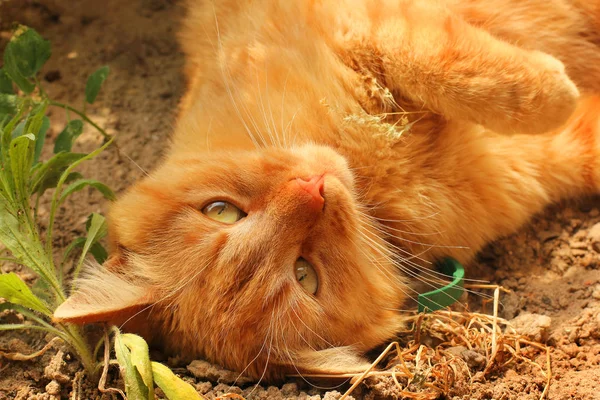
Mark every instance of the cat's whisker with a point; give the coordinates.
(279, 135)
(433, 215)
(413, 274)
(283, 130)
(409, 255)
(241, 374)
(309, 328)
(402, 285)
(401, 250)
(289, 125)
(430, 245)
(426, 271)
(271, 333)
(172, 293)
(138, 166)
(386, 227)
(436, 282)
(263, 111)
(293, 363)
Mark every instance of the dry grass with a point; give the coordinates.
(425, 368)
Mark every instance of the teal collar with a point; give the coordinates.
(446, 296)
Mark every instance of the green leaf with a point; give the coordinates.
(13, 327)
(96, 231)
(72, 246)
(24, 55)
(19, 129)
(6, 85)
(40, 138)
(8, 104)
(174, 387)
(134, 384)
(99, 252)
(14, 290)
(41, 289)
(21, 157)
(94, 82)
(82, 183)
(140, 358)
(65, 139)
(23, 245)
(48, 175)
(37, 124)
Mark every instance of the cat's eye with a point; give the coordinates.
(223, 211)
(306, 276)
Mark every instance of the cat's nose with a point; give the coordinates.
(315, 186)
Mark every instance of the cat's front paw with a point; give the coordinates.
(553, 96)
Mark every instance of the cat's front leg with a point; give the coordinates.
(426, 54)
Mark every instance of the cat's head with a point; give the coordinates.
(248, 258)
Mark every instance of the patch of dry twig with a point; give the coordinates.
(423, 368)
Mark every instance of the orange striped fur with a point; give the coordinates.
(439, 125)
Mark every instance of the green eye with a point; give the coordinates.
(223, 211)
(306, 276)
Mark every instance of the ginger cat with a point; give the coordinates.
(326, 152)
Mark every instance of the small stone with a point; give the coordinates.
(534, 326)
(206, 371)
(334, 395)
(578, 253)
(203, 387)
(472, 358)
(53, 369)
(579, 245)
(594, 233)
(596, 292)
(53, 388)
(289, 389)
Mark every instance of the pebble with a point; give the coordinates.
(53, 388)
(594, 233)
(472, 358)
(579, 245)
(206, 371)
(596, 292)
(289, 389)
(535, 326)
(578, 253)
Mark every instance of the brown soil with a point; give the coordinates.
(552, 265)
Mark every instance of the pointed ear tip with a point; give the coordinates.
(65, 312)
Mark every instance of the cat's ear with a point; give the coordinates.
(104, 295)
(425, 53)
(332, 361)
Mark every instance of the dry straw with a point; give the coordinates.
(423, 368)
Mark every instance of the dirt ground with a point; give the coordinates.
(552, 266)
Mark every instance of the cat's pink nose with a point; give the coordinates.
(315, 186)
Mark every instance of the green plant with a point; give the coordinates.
(24, 179)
